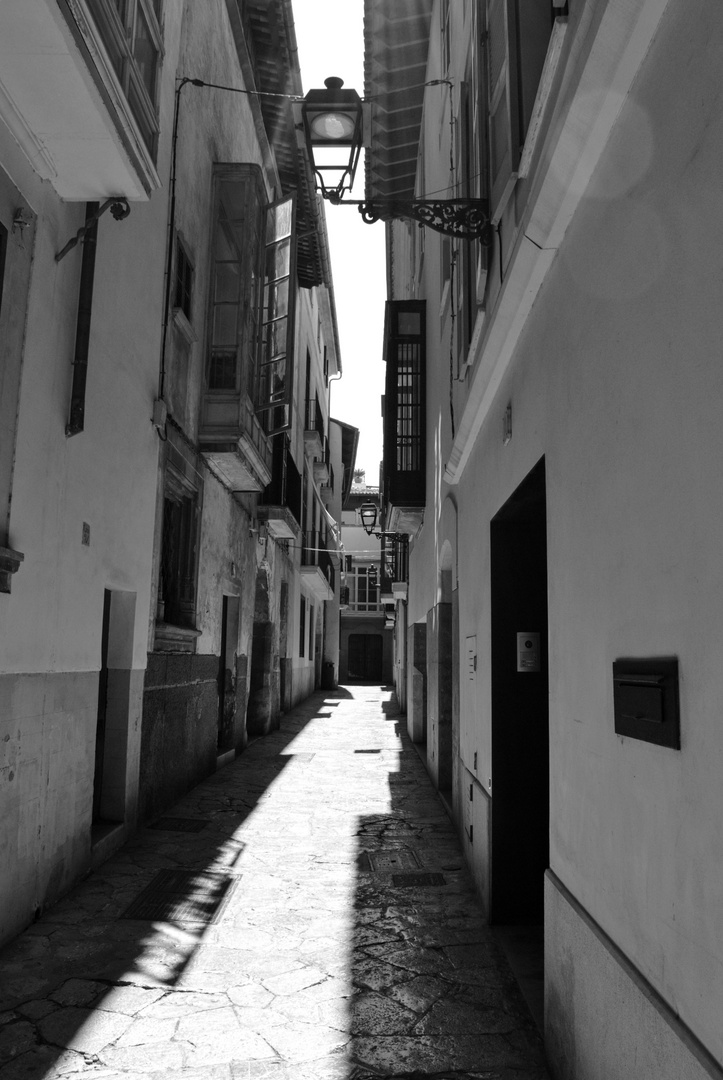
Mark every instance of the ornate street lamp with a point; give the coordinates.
(332, 123)
(368, 515)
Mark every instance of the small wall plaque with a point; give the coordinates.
(646, 700)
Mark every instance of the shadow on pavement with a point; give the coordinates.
(71, 981)
(434, 994)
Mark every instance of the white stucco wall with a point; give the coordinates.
(105, 477)
(616, 381)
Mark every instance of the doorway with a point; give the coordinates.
(520, 714)
(365, 657)
(115, 714)
(443, 667)
(227, 674)
(102, 717)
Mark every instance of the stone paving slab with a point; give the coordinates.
(323, 964)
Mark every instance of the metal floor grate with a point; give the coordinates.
(385, 862)
(183, 896)
(417, 881)
(179, 824)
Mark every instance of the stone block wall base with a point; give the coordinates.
(180, 728)
(603, 1020)
(47, 732)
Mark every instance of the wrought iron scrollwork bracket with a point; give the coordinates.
(119, 207)
(467, 219)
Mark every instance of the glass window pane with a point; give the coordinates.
(235, 199)
(225, 248)
(276, 300)
(227, 282)
(409, 323)
(278, 260)
(225, 324)
(274, 342)
(272, 384)
(222, 371)
(145, 54)
(278, 380)
(278, 221)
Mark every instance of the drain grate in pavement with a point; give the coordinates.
(183, 896)
(179, 824)
(417, 881)
(303, 758)
(367, 751)
(385, 862)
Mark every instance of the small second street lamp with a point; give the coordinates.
(332, 124)
(368, 514)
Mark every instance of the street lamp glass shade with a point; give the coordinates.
(331, 120)
(368, 514)
(333, 126)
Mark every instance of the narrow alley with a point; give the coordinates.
(304, 913)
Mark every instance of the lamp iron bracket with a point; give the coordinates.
(467, 219)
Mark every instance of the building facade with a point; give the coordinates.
(563, 599)
(167, 337)
(366, 637)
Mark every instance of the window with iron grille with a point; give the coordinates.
(409, 407)
(177, 583)
(302, 625)
(131, 33)
(404, 403)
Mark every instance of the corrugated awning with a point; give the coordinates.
(396, 46)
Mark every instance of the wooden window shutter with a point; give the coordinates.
(504, 137)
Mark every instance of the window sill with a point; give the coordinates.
(182, 324)
(178, 639)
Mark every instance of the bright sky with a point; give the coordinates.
(331, 42)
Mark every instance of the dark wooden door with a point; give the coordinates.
(520, 736)
(102, 711)
(365, 657)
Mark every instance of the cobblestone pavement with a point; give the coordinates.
(347, 942)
